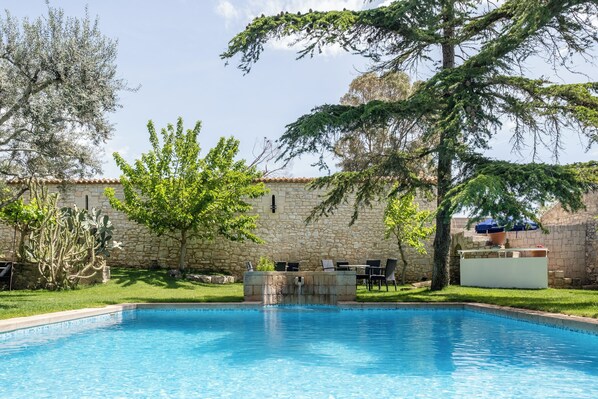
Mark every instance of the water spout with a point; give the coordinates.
(299, 281)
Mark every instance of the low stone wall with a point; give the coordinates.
(318, 288)
(26, 276)
(591, 252)
(566, 244)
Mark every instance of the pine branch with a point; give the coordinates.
(405, 28)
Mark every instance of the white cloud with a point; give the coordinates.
(227, 10)
(245, 12)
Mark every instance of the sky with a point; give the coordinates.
(170, 50)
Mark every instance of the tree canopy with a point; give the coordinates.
(409, 225)
(172, 190)
(477, 51)
(58, 84)
(358, 149)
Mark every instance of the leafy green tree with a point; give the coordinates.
(476, 51)
(408, 225)
(173, 191)
(58, 84)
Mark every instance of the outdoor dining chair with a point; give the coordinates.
(280, 266)
(389, 275)
(293, 267)
(370, 267)
(6, 273)
(327, 265)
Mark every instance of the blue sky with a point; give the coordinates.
(171, 49)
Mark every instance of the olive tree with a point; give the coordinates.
(58, 83)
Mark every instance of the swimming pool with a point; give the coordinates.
(319, 352)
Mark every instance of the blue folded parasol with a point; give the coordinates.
(491, 226)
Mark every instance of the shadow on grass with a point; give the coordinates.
(157, 278)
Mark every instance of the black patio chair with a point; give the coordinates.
(340, 265)
(293, 267)
(365, 276)
(280, 266)
(373, 267)
(6, 274)
(389, 275)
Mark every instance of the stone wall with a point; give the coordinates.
(572, 241)
(27, 276)
(592, 252)
(566, 244)
(558, 216)
(284, 231)
(572, 249)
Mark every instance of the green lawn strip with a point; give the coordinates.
(128, 285)
(571, 302)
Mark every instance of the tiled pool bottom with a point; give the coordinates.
(316, 352)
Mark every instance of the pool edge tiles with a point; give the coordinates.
(557, 320)
(576, 323)
(19, 323)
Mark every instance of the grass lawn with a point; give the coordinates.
(571, 302)
(126, 285)
(129, 285)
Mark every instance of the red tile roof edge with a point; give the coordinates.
(117, 181)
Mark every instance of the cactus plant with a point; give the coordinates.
(67, 244)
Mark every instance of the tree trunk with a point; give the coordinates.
(404, 260)
(183, 250)
(442, 239)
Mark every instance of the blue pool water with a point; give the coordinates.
(298, 353)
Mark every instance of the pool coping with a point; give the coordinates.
(577, 323)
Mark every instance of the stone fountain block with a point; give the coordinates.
(319, 288)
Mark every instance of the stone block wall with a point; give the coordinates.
(572, 256)
(591, 251)
(566, 244)
(286, 236)
(27, 276)
(318, 288)
(558, 216)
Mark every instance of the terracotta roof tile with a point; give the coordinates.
(106, 180)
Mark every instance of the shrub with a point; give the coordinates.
(265, 264)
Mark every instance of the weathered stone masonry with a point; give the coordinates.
(573, 241)
(284, 231)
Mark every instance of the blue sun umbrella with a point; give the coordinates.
(491, 226)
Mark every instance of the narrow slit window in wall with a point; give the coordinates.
(86, 202)
(273, 206)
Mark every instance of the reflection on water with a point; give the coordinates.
(306, 352)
